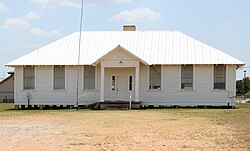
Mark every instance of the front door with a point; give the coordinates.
(122, 87)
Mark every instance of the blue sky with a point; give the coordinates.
(26, 25)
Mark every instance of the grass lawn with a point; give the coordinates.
(151, 129)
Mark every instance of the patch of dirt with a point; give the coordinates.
(115, 130)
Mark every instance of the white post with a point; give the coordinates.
(137, 82)
(102, 84)
(130, 97)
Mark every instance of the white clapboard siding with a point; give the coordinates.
(170, 94)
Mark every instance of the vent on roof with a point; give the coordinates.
(129, 28)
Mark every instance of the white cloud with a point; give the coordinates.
(228, 23)
(74, 3)
(107, 1)
(33, 46)
(6, 50)
(38, 32)
(31, 16)
(53, 3)
(3, 7)
(21, 22)
(142, 14)
(14, 23)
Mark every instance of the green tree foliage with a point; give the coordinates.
(242, 86)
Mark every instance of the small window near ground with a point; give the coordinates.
(89, 77)
(220, 77)
(187, 77)
(155, 77)
(28, 78)
(59, 77)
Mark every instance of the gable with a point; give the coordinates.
(7, 84)
(119, 54)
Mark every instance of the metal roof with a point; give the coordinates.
(154, 47)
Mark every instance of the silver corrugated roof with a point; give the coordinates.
(154, 47)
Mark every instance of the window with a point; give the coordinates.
(28, 78)
(113, 83)
(220, 77)
(89, 77)
(130, 83)
(59, 77)
(187, 77)
(155, 77)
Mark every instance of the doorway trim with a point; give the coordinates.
(128, 84)
(110, 64)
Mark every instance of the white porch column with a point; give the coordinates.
(102, 84)
(137, 70)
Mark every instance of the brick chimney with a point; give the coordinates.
(129, 28)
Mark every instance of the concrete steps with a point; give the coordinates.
(116, 105)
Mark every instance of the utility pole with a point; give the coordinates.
(78, 60)
(244, 84)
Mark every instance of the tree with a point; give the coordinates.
(239, 88)
(242, 86)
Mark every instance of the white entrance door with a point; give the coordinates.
(122, 87)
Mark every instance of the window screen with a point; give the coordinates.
(187, 77)
(89, 77)
(59, 77)
(155, 77)
(220, 77)
(28, 78)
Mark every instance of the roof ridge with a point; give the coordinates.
(130, 31)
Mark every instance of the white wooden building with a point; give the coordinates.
(154, 67)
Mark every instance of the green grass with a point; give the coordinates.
(6, 107)
(242, 105)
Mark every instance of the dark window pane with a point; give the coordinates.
(28, 78)
(155, 77)
(220, 77)
(130, 83)
(89, 77)
(113, 83)
(59, 77)
(187, 77)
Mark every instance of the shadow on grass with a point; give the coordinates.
(71, 108)
(188, 107)
(44, 109)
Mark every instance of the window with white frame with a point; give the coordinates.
(155, 77)
(59, 77)
(220, 77)
(28, 78)
(187, 77)
(89, 77)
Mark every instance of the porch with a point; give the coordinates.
(123, 105)
(119, 75)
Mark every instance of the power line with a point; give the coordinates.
(78, 61)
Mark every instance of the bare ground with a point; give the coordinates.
(161, 129)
